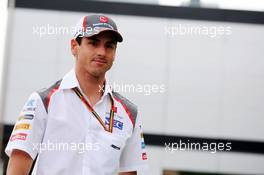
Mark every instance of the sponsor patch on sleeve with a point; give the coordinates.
(26, 117)
(18, 136)
(22, 126)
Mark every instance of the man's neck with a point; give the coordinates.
(91, 85)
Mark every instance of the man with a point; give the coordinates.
(79, 125)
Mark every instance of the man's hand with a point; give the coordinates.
(128, 173)
(19, 163)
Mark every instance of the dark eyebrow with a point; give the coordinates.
(111, 42)
(94, 38)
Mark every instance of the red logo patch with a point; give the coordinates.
(144, 156)
(115, 109)
(18, 136)
(103, 19)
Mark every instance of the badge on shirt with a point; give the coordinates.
(117, 124)
(144, 156)
(115, 147)
(143, 145)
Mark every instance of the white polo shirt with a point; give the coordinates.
(57, 126)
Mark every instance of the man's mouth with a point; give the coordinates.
(100, 61)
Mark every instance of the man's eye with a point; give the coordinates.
(110, 46)
(92, 43)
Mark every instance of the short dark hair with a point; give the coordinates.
(79, 40)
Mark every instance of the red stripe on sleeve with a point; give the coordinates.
(52, 92)
(127, 111)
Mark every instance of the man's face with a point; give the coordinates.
(95, 55)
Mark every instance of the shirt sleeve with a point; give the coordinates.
(29, 129)
(134, 156)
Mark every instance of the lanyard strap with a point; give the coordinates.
(111, 120)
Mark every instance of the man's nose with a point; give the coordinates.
(101, 51)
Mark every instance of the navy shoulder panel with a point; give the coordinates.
(46, 93)
(130, 107)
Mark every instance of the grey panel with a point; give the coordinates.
(131, 106)
(44, 93)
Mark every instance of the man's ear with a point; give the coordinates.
(74, 47)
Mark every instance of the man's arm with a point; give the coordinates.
(128, 173)
(19, 163)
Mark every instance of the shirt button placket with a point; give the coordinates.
(88, 141)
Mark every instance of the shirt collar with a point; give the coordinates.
(70, 81)
(107, 89)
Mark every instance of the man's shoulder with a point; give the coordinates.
(123, 99)
(46, 93)
(130, 108)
